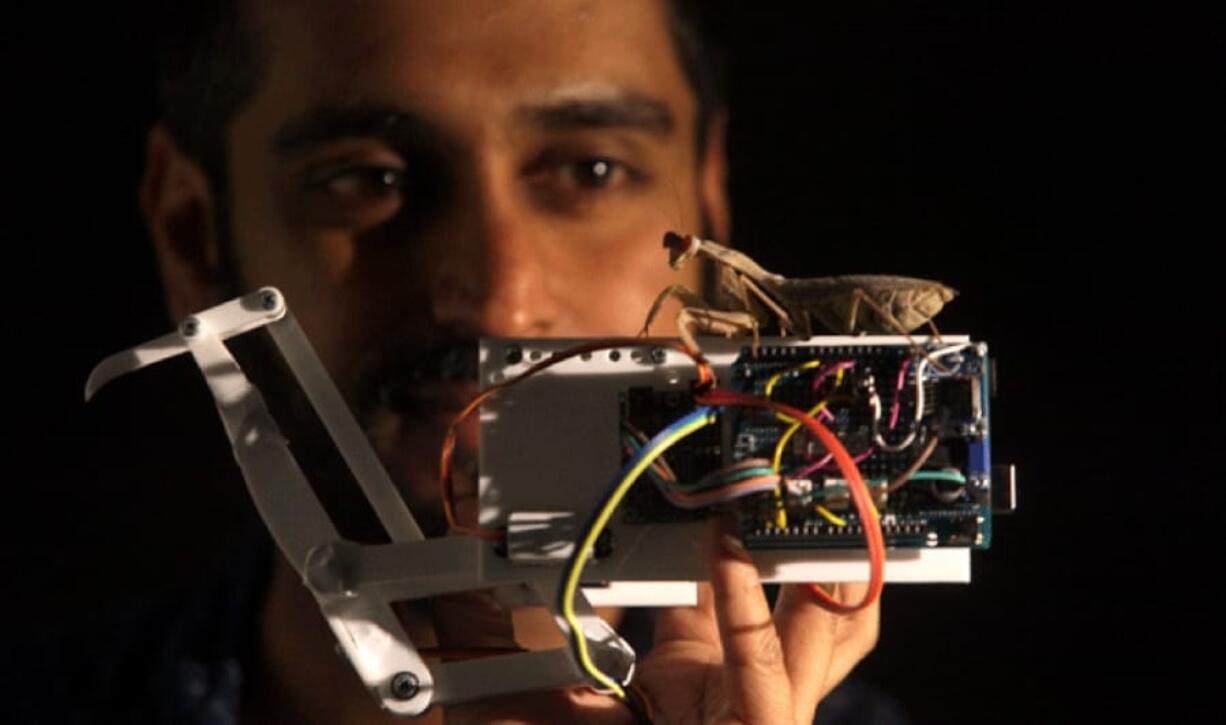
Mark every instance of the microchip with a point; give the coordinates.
(958, 397)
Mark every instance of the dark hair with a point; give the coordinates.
(209, 63)
(701, 57)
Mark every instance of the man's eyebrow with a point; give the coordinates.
(628, 111)
(324, 124)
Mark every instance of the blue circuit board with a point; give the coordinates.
(890, 406)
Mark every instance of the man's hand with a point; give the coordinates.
(730, 660)
(726, 660)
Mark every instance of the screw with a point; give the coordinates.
(657, 355)
(269, 300)
(190, 327)
(405, 686)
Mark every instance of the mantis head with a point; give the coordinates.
(680, 248)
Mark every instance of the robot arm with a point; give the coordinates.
(355, 585)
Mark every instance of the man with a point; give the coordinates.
(413, 176)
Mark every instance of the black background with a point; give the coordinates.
(1041, 163)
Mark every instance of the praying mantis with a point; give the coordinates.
(749, 296)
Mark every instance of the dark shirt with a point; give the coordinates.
(183, 662)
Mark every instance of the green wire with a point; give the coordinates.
(953, 476)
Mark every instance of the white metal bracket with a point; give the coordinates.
(356, 585)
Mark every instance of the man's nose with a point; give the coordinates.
(493, 275)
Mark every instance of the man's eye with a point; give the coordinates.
(595, 173)
(363, 182)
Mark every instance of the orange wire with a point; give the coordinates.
(706, 394)
(860, 495)
(706, 380)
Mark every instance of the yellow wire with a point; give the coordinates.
(781, 514)
(829, 515)
(589, 541)
(773, 380)
(777, 459)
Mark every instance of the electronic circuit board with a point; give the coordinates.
(887, 404)
(554, 444)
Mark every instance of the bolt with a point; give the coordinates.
(269, 300)
(190, 327)
(405, 686)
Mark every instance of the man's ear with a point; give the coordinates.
(179, 206)
(713, 183)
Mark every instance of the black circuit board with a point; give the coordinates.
(921, 513)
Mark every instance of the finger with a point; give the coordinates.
(689, 624)
(856, 634)
(756, 678)
(577, 705)
(821, 647)
(807, 633)
(471, 620)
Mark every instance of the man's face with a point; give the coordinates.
(415, 175)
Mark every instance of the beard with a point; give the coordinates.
(404, 398)
(407, 395)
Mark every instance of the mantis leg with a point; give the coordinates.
(684, 295)
(935, 332)
(860, 295)
(693, 319)
(785, 320)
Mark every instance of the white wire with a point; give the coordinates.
(874, 401)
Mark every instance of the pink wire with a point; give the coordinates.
(825, 461)
(818, 379)
(826, 372)
(897, 405)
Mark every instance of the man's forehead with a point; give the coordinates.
(495, 55)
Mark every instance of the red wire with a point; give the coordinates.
(706, 394)
(874, 539)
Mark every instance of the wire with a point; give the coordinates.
(953, 476)
(838, 367)
(917, 464)
(829, 516)
(706, 379)
(773, 380)
(897, 404)
(747, 468)
(874, 539)
(662, 441)
(743, 478)
(634, 440)
(825, 460)
(757, 484)
(777, 460)
(874, 400)
(781, 514)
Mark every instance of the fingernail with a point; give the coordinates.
(733, 546)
